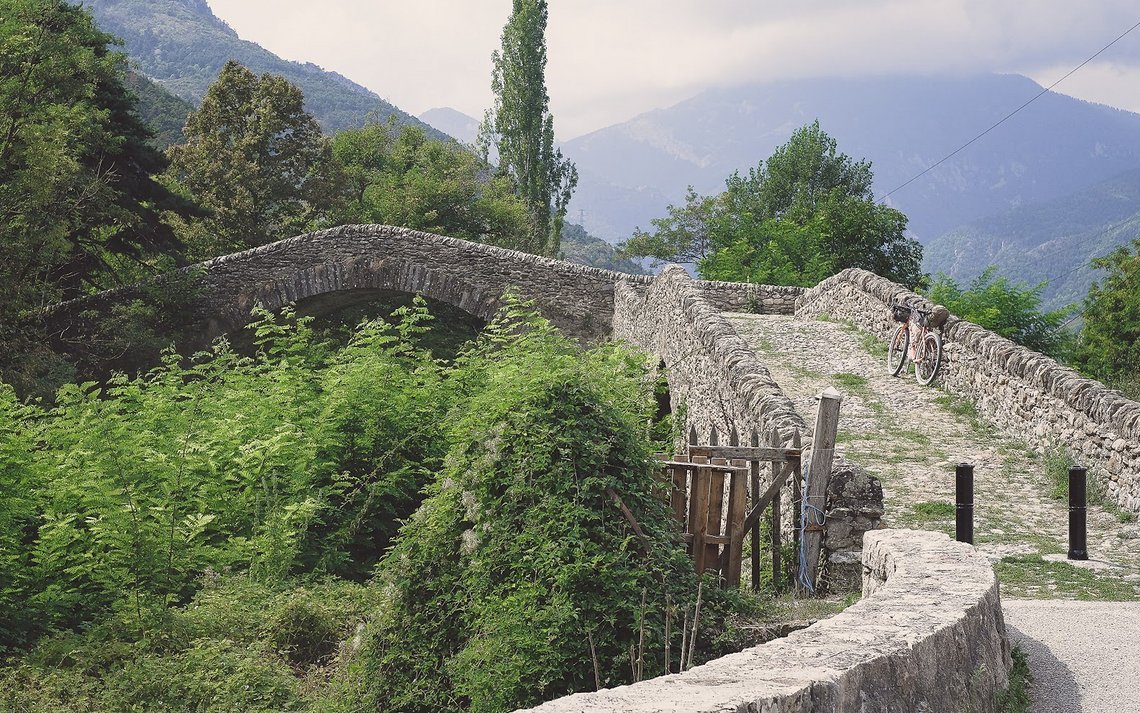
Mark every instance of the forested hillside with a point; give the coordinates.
(1053, 241)
(183, 46)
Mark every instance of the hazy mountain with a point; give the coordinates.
(1052, 241)
(453, 123)
(182, 46)
(1050, 149)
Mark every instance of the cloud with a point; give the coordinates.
(611, 60)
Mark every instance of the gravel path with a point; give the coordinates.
(1083, 654)
(911, 437)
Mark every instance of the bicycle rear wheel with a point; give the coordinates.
(926, 368)
(896, 351)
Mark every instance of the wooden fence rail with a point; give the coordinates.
(715, 530)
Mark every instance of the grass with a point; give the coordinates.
(1056, 463)
(851, 381)
(791, 607)
(1015, 699)
(933, 511)
(1032, 576)
(968, 410)
(913, 436)
(957, 405)
(804, 372)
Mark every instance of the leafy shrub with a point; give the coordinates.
(1011, 309)
(304, 630)
(519, 557)
(294, 460)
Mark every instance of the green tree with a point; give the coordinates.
(400, 176)
(801, 215)
(257, 160)
(688, 234)
(1012, 309)
(1110, 339)
(80, 207)
(522, 128)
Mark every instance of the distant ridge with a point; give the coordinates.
(902, 124)
(1052, 241)
(182, 45)
(453, 122)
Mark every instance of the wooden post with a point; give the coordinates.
(777, 472)
(699, 515)
(818, 472)
(737, 495)
(678, 490)
(797, 497)
(754, 471)
(715, 510)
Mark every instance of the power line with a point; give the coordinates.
(1005, 118)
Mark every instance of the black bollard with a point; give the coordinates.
(964, 499)
(1078, 514)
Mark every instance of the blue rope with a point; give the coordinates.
(805, 509)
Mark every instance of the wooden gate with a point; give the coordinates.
(719, 494)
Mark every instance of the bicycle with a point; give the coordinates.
(926, 352)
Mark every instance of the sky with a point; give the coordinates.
(610, 60)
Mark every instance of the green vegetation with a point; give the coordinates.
(1011, 309)
(1110, 338)
(81, 206)
(851, 381)
(257, 160)
(802, 215)
(1056, 463)
(933, 510)
(521, 128)
(1015, 699)
(1032, 576)
(204, 537)
(398, 176)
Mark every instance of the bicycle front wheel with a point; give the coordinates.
(926, 367)
(896, 351)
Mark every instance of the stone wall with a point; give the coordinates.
(712, 372)
(1023, 392)
(717, 380)
(928, 636)
(748, 297)
(854, 507)
(470, 276)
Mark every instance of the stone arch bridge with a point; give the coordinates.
(711, 369)
(930, 628)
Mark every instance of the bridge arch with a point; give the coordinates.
(470, 276)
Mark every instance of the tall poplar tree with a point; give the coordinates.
(522, 129)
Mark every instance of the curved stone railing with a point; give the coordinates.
(711, 370)
(749, 297)
(928, 635)
(471, 276)
(1020, 390)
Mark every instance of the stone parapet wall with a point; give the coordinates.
(1023, 392)
(713, 373)
(748, 297)
(472, 276)
(928, 635)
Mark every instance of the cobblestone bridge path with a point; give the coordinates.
(912, 437)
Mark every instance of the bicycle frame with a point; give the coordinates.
(918, 332)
